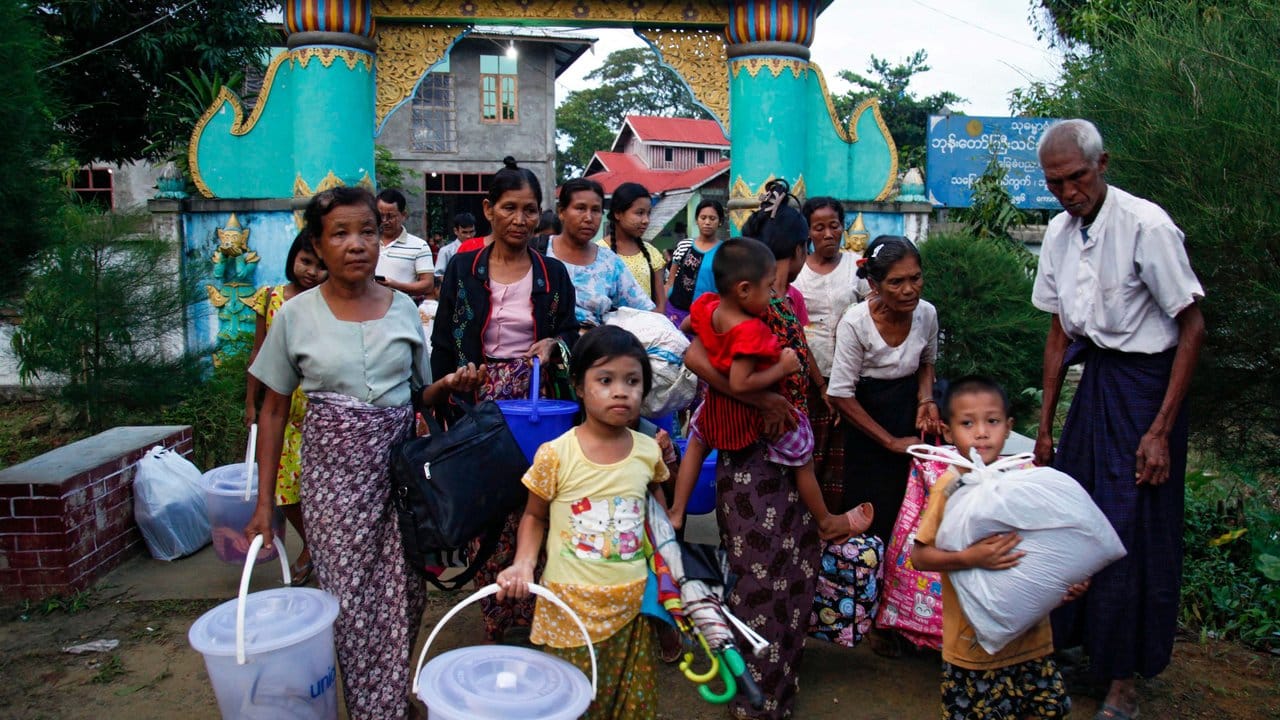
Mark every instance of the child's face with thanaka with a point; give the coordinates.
(978, 421)
(613, 390)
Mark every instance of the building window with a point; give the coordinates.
(702, 157)
(93, 185)
(498, 92)
(669, 154)
(435, 113)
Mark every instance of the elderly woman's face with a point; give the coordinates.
(825, 232)
(348, 243)
(514, 216)
(901, 287)
(581, 218)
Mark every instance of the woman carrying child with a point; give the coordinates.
(771, 537)
(304, 270)
(587, 497)
(1021, 680)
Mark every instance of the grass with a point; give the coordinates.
(110, 669)
(78, 601)
(28, 429)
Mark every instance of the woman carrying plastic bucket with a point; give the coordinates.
(505, 305)
(356, 349)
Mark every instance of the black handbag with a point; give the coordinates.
(456, 485)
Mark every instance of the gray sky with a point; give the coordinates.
(979, 49)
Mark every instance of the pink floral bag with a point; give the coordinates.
(911, 602)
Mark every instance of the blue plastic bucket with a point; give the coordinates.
(666, 422)
(703, 498)
(535, 421)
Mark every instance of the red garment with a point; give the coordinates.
(724, 422)
(475, 243)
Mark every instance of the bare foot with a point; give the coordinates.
(1122, 696)
(860, 518)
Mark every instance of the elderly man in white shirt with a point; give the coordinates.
(1115, 276)
(404, 259)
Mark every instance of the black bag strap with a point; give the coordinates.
(488, 543)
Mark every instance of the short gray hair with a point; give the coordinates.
(1083, 133)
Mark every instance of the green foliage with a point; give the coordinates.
(103, 313)
(121, 98)
(630, 82)
(993, 211)
(27, 135)
(1232, 536)
(1186, 98)
(987, 324)
(215, 411)
(193, 91)
(391, 174)
(905, 114)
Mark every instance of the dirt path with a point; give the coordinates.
(155, 674)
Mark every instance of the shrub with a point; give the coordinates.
(1185, 96)
(987, 324)
(215, 409)
(103, 314)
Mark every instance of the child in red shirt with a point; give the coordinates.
(740, 345)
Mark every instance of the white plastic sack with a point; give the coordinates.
(674, 385)
(168, 505)
(1065, 536)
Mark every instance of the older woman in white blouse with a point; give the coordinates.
(882, 379)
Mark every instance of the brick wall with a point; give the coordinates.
(66, 517)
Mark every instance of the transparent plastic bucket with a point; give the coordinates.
(229, 511)
(270, 654)
(498, 682)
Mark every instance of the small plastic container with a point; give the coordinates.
(703, 499)
(537, 420)
(229, 512)
(270, 654)
(497, 682)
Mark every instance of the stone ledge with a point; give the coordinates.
(89, 454)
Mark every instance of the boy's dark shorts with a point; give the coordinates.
(1030, 689)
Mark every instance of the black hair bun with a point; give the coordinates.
(510, 163)
(862, 271)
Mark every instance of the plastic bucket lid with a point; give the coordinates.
(496, 681)
(273, 619)
(228, 480)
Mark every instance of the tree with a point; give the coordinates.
(27, 138)
(631, 82)
(1185, 96)
(121, 98)
(905, 114)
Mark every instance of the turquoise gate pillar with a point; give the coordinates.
(768, 56)
(331, 51)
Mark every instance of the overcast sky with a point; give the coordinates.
(978, 49)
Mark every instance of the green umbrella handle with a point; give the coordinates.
(738, 667)
(730, 687)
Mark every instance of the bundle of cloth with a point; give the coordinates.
(674, 385)
(1065, 536)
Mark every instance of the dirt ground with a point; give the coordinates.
(155, 674)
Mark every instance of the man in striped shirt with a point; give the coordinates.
(404, 260)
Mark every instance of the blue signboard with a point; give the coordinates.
(960, 146)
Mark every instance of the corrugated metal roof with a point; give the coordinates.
(682, 131)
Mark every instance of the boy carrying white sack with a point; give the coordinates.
(1004, 667)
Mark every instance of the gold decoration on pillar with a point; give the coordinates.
(405, 53)
(856, 236)
(611, 13)
(741, 191)
(326, 55)
(698, 56)
(776, 66)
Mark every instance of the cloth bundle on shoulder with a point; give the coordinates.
(1065, 536)
(911, 602)
(674, 385)
(847, 590)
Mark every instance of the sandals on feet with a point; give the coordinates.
(1111, 712)
(301, 573)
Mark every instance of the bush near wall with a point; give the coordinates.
(987, 324)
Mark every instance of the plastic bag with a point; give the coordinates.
(912, 599)
(674, 385)
(1065, 536)
(168, 505)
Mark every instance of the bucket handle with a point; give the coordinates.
(492, 589)
(535, 382)
(249, 561)
(249, 451)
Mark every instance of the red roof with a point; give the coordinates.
(622, 168)
(677, 130)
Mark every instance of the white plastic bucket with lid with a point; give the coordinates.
(270, 654)
(497, 682)
(231, 496)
